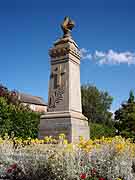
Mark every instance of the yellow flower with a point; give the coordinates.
(119, 147)
(65, 141)
(69, 147)
(81, 138)
(62, 136)
(46, 139)
(1, 140)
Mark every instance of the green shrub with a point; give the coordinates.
(18, 119)
(99, 130)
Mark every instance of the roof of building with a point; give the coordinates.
(27, 98)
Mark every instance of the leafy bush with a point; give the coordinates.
(99, 130)
(17, 119)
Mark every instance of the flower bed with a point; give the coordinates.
(101, 159)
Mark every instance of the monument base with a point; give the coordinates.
(72, 124)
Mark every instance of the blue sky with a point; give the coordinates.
(105, 31)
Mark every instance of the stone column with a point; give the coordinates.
(64, 100)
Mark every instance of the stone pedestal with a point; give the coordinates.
(72, 124)
(64, 100)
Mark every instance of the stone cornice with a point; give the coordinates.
(64, 47)
(63, 51)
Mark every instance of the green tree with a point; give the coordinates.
(15, 117)
(96, 104)
(11, 96)
(125, 117)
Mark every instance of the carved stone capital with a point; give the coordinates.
(63, 51)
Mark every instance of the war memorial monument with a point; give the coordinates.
(64, 113)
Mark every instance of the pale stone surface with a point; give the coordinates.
(64, 100)
(72, 124)
(65, 56)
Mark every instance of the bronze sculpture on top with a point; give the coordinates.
(67, 26)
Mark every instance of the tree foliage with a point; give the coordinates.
(125, 117)
(96, 104)
(15, 117)
(10, 96)
(98, 130)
